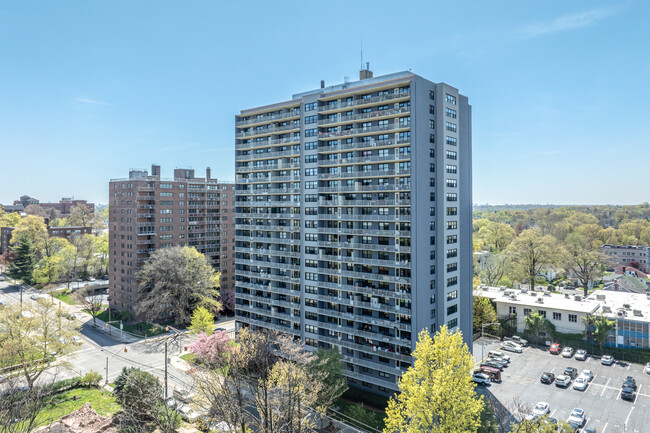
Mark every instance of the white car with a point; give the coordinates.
(481, 379)
(541, 409)
(187, 413)
(511, 347)
(76, 340)
(581, 383)
(563, 381)
(587, 374)
(581, 355)
(607, 360)
(567, 352)
(577, 417)
(647, 368)
(35, 297)
(499, 354)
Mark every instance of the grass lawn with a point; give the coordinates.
(62, 296)
(360, 414)
(101, 401)
(150, 329)
(189, 357)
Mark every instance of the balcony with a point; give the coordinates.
(322, 135)
(358, 102)
(272, 129)
(357, 145)
(365, 159)
(365, 174)
(267, 118)
(364, 116)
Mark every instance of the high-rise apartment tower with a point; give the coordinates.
(148, 212)
(354, 219)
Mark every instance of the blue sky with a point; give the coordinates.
(90, 89)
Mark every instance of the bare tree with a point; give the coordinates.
(20, 407)
(91, 300)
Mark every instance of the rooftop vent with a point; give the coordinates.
(606, 309)
(547, 293)
(627, 306)
(577, 298)
(540, 300)
(637, 313)
(600, 297)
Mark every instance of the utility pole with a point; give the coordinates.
(165, 370)
(107, 370)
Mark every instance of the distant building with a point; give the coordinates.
(60, 232)
(64, 206)
(148, 212)
(626, 255)
(631, 271)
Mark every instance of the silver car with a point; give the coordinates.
(581, 383)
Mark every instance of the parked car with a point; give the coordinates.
(499, 354)
(3, 304)
(581, 383)
(182, 395)
(547, 378)
(607, 360)
(581, 355)
(563, 381)
(187, 413)
(555, 349)
(567, 352)
(492, 364)
(542, 408)
(72, 316)
(588, 374)
(481, 378)
(628, 393)
(629, 382)
(577, 418)
(497, 360)
(91, 279)
(571, 372)
(511, 347)
(494, 373)
(35, 297)
(647, 368)
(517, 339)
(589, 430)
(76, 340)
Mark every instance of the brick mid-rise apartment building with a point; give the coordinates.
(148, 212)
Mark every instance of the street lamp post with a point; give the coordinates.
(483, 342)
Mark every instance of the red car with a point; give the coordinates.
(555, 349)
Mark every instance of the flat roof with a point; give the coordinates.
(611, 303)
(359, 83)
(552, 301)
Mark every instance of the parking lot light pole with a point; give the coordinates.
(483, 342)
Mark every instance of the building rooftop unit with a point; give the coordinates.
(538, 299)
(622, 305)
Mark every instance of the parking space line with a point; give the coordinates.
(604, 428)
(628, 416)
(629, 365)
(605, 387)
(552, 369)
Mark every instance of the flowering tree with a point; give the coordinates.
(228, 299)
(211, 349)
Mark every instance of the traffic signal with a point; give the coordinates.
(125, 350)
(107, 325)
(166, 328)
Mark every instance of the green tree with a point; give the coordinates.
(437, 393)
(24, 262)
(327, 368)
(497, 236)
(30, 333)
(202, 321)
(535, 323)
(585, 261)
(81, 215)
(531, 252)
(177, 280)
(599, 327)
(484, 313)
(34, 227)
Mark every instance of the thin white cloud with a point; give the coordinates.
(566, 22)
(550, 152)
(91, 102)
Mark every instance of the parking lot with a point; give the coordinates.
(605, 411)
